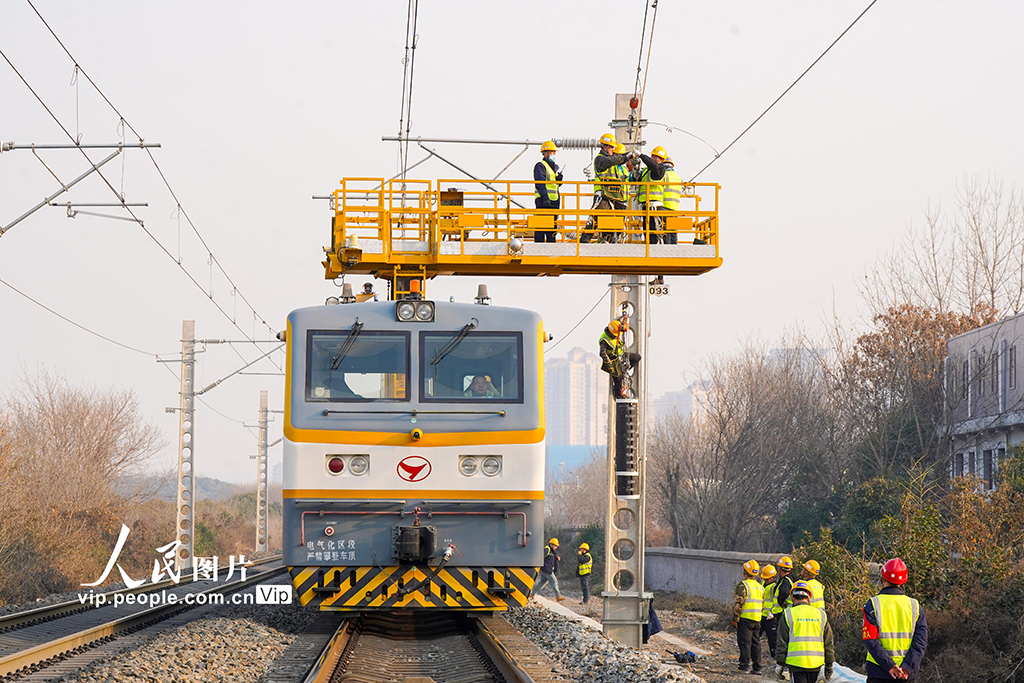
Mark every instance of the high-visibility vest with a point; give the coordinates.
(806, 636)
(769, 598)
(587, 565)
(897, 617)
(755, 599)
(616, 345)
(610, 181)
(672, 187)
(776, 608)
(551, 187)
(817, 593)
(642, 190)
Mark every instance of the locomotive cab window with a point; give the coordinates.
(473, 367)
(356, 365)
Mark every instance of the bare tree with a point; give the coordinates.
(721, 475)
(969, 263)
(576, 495)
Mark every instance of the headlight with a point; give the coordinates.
(491, 466)
(425, 311)
(406, 311)
(358, 465)
(468, 466)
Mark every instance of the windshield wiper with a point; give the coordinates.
(453, 343)
(353, 334)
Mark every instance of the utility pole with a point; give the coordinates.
(186, 449)
(626, 604)
(261, 477)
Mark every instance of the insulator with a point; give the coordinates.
(576, 143)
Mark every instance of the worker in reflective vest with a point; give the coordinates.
(672, 189)
(746, 617)
(805, 641)
(895, 632)
(584, 565)
(768, 622)
(611, 192)
(613, 355)
(650, 196)
(545, 192)
(811, 570)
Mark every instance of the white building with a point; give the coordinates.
(575, 400)
(984, 397)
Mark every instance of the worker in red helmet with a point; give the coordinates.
(895, 632)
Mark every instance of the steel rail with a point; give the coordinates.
(40, 653)
(48, 612)
(325, 667)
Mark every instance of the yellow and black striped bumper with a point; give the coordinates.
(453, 588)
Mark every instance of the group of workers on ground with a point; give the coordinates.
(792, 616)
(612, 168)
(584, 567)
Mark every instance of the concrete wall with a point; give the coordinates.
(711, 573)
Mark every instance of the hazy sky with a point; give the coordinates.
(259, 107)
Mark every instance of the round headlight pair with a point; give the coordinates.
(420, 311)
(471, 465)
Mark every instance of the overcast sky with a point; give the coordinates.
(259, 105)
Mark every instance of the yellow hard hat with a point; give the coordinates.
(659, 151)
(812, 566)
(548, 146)
(619, 148)
(584, 546)
(768, 572)
(614, 326)
(554, 542)
(668, 160)
(608, 139)
(785, 562)
(751, 567)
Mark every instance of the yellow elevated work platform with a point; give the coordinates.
(469, 227)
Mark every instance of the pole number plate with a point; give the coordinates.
(658, 290)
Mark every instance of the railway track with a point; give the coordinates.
(41, 638)
(430, 648)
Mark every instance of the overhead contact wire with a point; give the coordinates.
(586, 315)
(717, 156)
(155, 164)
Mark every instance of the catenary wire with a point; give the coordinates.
(585, 316)
(791, 85)
(72, 322)
(159, 170)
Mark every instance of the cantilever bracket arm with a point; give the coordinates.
(62, 190)
(467, 173)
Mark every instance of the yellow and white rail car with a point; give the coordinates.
(414, 455)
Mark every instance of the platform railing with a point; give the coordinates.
(416, 217)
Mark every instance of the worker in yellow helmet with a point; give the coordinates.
(615, 360)
(805, 642)
(610, 190)
(649, 195)
(584, 566)
(746, 617)
(546, 190)
(811, 569)
(548, 571)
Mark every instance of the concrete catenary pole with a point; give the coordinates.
(261, 477)
(625, 602)
(185, 527)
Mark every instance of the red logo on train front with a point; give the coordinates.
(414, 468)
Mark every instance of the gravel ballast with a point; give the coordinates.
(587, 655)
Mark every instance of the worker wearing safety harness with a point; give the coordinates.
(805, 639)
(746, 617)
(613, 354)
(609, 177)
(584, 565)
(545, 194)
(649, 195)
(895, 632)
